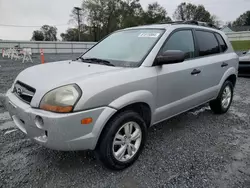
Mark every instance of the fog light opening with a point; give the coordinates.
(39, 122)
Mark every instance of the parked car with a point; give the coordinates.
(135, 78)
(244, 64)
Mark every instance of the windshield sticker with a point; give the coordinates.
(149, 35)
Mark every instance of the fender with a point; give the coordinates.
(134, 97)
(125, 100)
(229, 72)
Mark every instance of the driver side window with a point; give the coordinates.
(181, 40)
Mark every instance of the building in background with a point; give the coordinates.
(227, 29)
(241, 28)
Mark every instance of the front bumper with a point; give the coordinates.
(59, 131)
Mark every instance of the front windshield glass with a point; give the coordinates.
(125, 48)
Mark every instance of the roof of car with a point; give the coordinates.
(183, 24)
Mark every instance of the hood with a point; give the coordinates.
(46, 77)
(60, 73)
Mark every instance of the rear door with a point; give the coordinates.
(185, 85)
(225, 60)
(212, 60)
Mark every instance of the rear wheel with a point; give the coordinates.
(122, 140)
(224, 100)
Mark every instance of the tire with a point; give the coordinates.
(217, 105)
(106, 150)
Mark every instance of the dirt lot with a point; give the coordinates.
(195, 149)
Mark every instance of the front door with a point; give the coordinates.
(178, 84)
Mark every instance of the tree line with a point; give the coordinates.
(98, 18)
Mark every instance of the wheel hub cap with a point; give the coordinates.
(127, 141)
(226, 97)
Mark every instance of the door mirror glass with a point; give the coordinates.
(170, 57)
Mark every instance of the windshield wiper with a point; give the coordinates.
(96, 61)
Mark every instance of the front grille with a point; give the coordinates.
(24, 92)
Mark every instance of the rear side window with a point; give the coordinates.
(222, 43)
(207, 42)
(181, 40)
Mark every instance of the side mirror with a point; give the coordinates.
(245, 52)
(170, 57)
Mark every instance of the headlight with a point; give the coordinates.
(61, 99)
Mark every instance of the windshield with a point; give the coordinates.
(125, 48)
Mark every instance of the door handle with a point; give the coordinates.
(195, 72)
(224, 64)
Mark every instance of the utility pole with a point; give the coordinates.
(79, 22)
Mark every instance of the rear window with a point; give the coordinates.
(208, 44)
(222, 43)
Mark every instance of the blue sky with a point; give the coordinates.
(56, 12)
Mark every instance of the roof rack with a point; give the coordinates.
(193, 22)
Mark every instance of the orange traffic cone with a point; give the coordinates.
(42, 56)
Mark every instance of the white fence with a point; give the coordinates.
(236, 36)
(48, 47)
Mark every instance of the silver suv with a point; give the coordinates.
(135, 78)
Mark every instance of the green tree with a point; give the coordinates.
(37, 36)
(49, 33)
(215, 21)
(102, 17)
(131, 14)
(243, 20)
(155, 13)
(77, 20)
(74, 17)
(72, 34)
(188, 11)
(106, 16)
(229, 24)
(185, 11)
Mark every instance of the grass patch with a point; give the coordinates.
(241, 45)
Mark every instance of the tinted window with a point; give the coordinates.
(181, 40)
(207, 42)
(221, 42)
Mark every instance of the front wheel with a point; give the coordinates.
(224, 100)
(122, 140)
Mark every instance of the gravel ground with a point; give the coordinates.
(195, 149)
